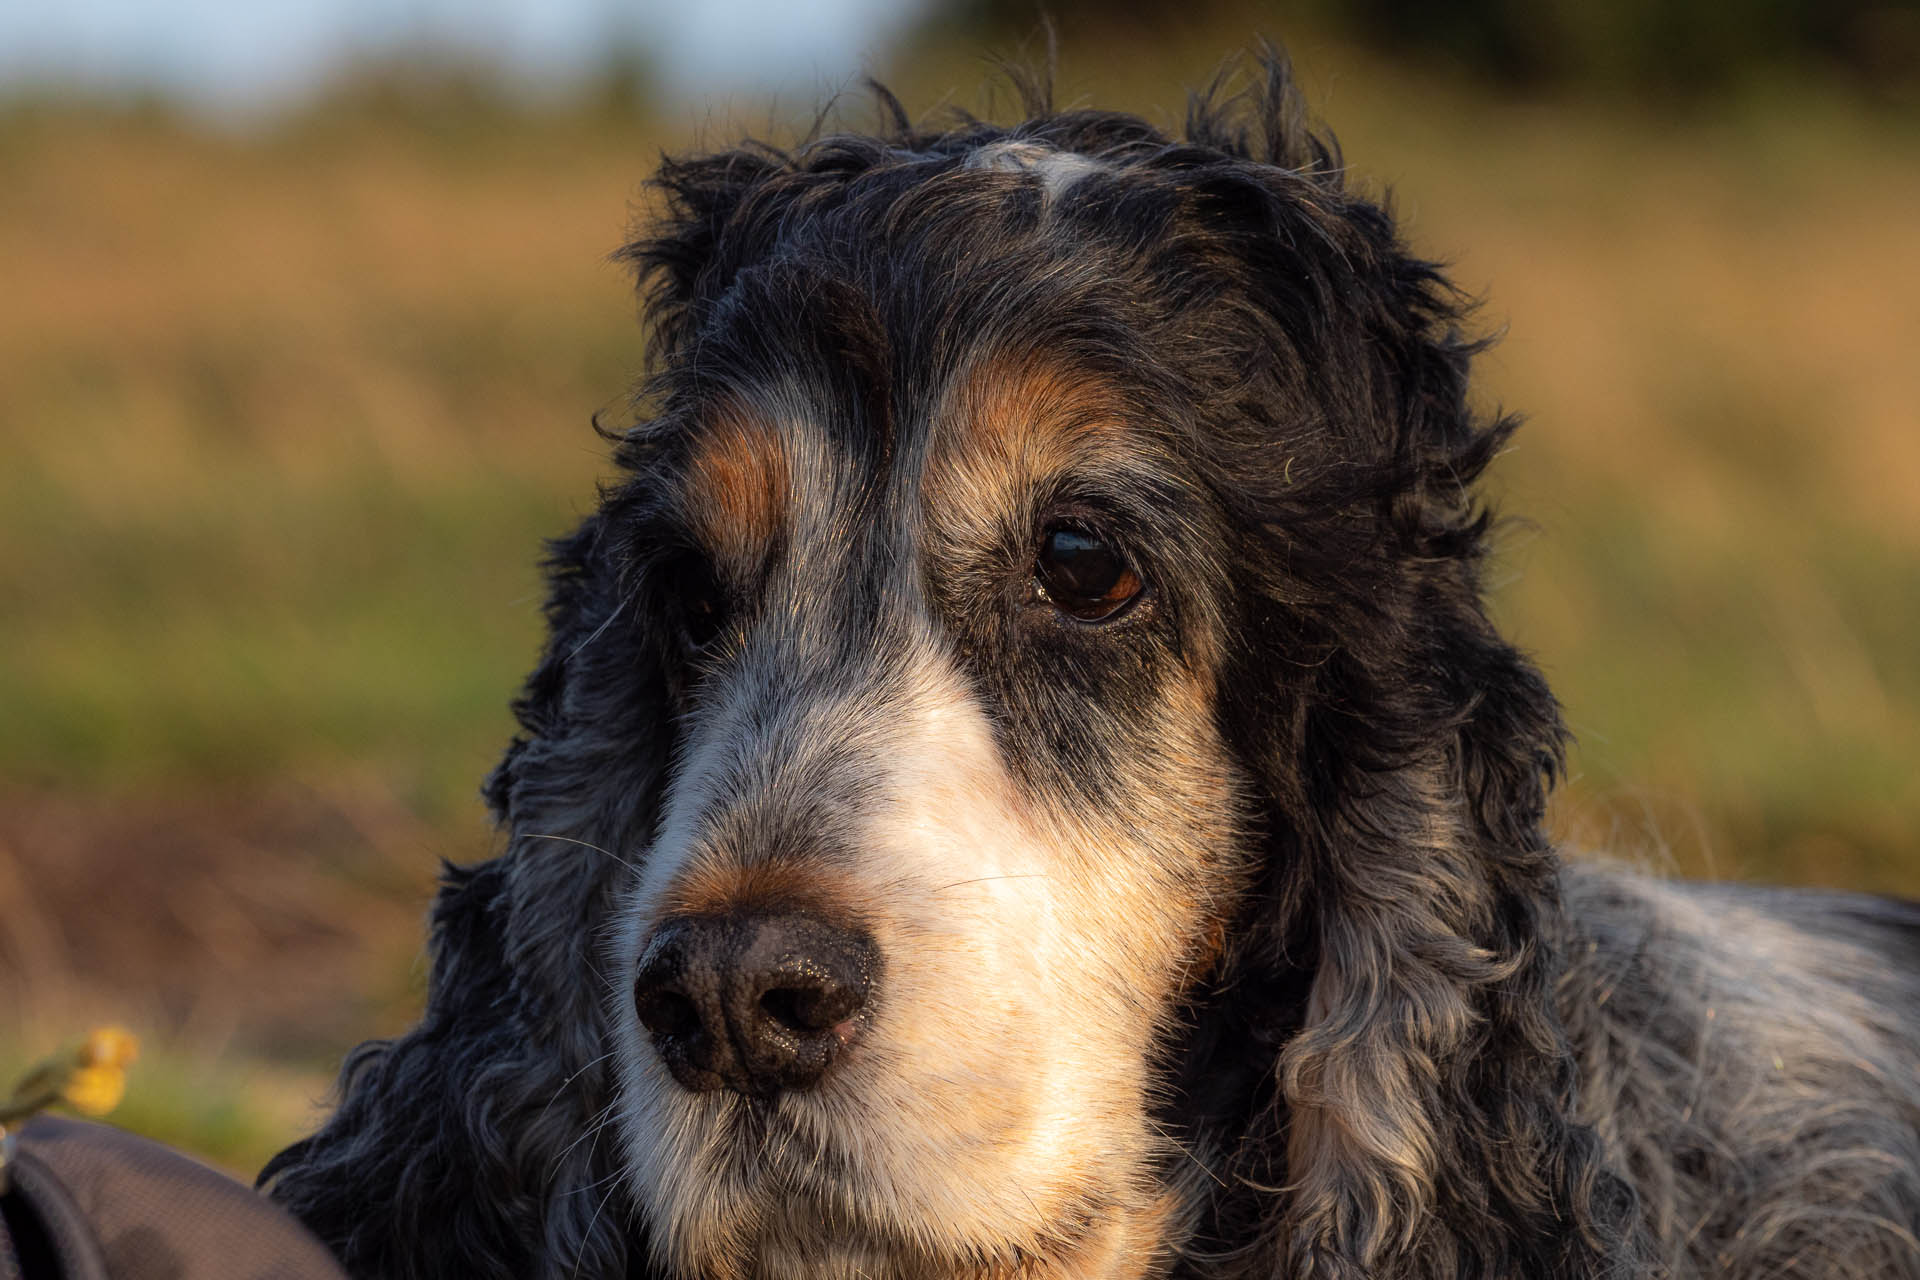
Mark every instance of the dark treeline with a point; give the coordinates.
(1679, 49)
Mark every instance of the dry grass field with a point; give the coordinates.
(284, 415)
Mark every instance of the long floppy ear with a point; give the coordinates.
(1429, 1090)
(471, 1146)
(1420, 1120)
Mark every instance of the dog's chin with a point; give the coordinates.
(801, 1237)
(774, 1206)
(802, 1240)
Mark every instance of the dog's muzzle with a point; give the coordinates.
(754, 1002)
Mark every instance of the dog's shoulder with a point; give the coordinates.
(1760, 930)
(1752, 1058)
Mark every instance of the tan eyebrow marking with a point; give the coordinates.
(737, 484)
(1009, 425)
(1033, 411)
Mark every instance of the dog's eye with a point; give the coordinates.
(1083, 574)
(697, 600)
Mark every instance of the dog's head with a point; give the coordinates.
(1021, 779)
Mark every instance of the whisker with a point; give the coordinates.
(617, 611)
(1033, 875)
(587, 1235)
(568, 1081)
(584, 844)
(1184, 1150)
(600, 1121)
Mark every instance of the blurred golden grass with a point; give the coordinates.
(285, 415)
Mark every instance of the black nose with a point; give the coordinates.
(754, 1002)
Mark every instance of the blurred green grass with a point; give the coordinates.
(285, 414)
(228, 1113)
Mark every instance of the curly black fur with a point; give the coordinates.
(1429, 1050)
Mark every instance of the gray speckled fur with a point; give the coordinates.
(1751, 1059)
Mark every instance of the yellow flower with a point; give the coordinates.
(94, 1091)
(91, 1078)
(110, 1047)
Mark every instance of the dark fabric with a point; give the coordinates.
(111, 1206)
(48, 1229)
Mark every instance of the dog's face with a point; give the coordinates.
(1045, 574)
(1020, 781)
(951, 825)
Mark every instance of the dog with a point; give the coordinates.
(1021, 782)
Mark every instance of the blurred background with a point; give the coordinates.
(305, 309)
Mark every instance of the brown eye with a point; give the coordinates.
(1083, 574)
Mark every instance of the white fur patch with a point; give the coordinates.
(1057, 170)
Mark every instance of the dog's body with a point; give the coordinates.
(1751, 1062)
(1021, 781)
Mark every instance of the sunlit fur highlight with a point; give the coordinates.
(1222, 940)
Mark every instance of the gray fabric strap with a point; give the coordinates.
(76, 1254)
(120, 1207)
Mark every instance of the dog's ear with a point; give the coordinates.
(687, 257)
(1424, 1089)
(1428, 1087)
(577, 786)
(458, 1148)
(720, 212)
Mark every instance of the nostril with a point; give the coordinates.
(783, 1004)
(809, 1010)
(667, 1013)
